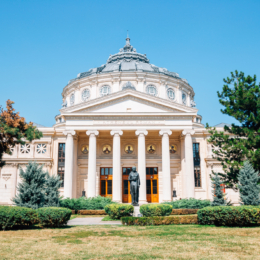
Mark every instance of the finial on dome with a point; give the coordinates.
(127, 40)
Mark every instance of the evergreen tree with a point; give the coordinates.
(32, 188)
(14, 130)
(52, 194)
(240, 97)
(248, 188)
(218, 194)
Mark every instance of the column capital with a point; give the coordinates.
(188, 132)
(165, 131)
(116, 132)
(140, 132)
(92, 132)
(69, 132)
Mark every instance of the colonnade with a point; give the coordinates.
(188, 173)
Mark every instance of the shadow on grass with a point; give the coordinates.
(35, 227)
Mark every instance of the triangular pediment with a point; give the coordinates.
(128, 101)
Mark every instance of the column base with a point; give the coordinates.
(141, 202)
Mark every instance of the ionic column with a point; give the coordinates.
(166, 168)
(142, 164)
(68, 175)
(92, 163)
(189, 165)
(117, 174)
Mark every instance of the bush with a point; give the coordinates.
(92, 212)
(116, 211)
(184, 211)
(151, 221)
(16, 216)
(241, 216)
(189, 203)
(151, 210)
(53, 217)
(83, 203)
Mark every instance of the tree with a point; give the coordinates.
(52, 194)
(31, 191)
(218, 194)
(248, 188)
(241, 98)
(14, 130)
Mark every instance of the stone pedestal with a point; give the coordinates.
(136, 212)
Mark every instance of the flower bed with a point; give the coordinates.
(154, 221)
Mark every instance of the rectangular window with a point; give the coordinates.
(61, 162)
(196, 161)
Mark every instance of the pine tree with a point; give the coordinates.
(32, 188)
(52, 194)
(218, 194)
(248, 188)
(240, 97)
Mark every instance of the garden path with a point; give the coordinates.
(92, 221)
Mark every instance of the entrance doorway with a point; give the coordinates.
(106, 182)
(152, 184)
(126, 185)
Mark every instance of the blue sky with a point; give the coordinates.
(44, 44)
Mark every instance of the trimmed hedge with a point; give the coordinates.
(184, 211)
(16, 216)
(92, 212)
(116, 211)
(190, 203)
(151, 210)
(53, 217)
(242, 216)
(154, 221)
(83, 203)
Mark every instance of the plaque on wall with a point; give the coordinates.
(129, 149)
(173, 148)
(84, 149)
(107, 149)
(151, 148)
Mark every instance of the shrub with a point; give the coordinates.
(92, 212)
(53, 217)
(151, 221)
(16, 216)
(241, 216)
(184, 211)
(189, 203)
(151, 210)
(83, 203)
(116, 211)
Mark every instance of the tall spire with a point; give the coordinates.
(127, 40)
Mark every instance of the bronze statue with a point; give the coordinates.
(134, 186)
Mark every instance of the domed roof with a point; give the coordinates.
(127, 59)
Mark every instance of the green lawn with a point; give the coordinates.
(132, 242)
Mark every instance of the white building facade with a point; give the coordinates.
(125, 113)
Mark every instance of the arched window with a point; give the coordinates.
(171, 93)
(184, 98)
(105, 90)
(150, 89)
(85, 94)
(72, 98)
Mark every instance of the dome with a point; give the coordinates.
(127, 59)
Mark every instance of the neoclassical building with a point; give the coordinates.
(127, 112)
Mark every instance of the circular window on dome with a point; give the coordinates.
(85, 94)
(72, 99)
(150, 89)
(171, 93)
(184, 98)
(105, 90)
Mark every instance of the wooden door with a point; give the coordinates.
(106, 182)
(152, 195)
(126, 196)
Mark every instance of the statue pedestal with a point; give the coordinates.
(136, 212)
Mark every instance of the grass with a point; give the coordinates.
(132, 242)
